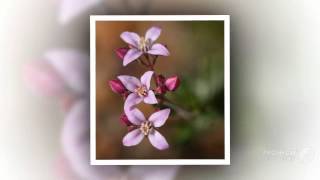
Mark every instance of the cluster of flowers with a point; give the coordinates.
(134, 90)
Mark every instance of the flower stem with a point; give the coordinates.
(182, 112)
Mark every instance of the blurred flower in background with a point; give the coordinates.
(64, 75)
(274, 67)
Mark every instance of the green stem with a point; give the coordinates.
(182, 112)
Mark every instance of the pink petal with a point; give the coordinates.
(73, 66)
(159, 49)
(130, 38)
(130, 82)
(131, 55)
(132, 100)
(69, 9)
(133, 138)
(153, 33)
(150, 98)
(135, 116)
(146, 78)
(41, 78)
(157, 140)
(76, 144)
(159, 118)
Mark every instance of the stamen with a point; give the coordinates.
(146, 127)
(144, 44)
(141, 91)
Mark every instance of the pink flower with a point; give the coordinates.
(140, 45)
(172, 83)
(147, 128)
(140, 89)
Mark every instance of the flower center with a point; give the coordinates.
(144, 44)
(141, 91)
(146, 127)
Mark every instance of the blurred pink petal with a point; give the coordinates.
(69, 9)
(73, 66)
(63, 169)
(41, 78)
(153, 172)
(75, 141)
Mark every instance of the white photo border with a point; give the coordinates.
(93, 20)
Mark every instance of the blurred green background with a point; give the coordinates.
(197, 57)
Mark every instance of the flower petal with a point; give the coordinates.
(70, 9)
(157, 140)
(43, 79)
(159, 49)
(130, 82)
(159, 118)
(133, 138)
(131, 55)
(73, 66)
(135, 116)
(130, 38)
(132, 100)
(153, 33)
(146, 78)
(150, 98)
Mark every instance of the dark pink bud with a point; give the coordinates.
(121, 52)
(124, 119)
(172, 83)
(117, 86)
(161, 88)
(160, 80)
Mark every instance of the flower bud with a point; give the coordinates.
(117, 86)
(172, 83)
(161, 88)
(124, 119)
(121, 52)
(160, 80)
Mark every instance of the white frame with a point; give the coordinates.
(93, 19)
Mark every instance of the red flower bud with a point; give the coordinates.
(121, 52)
(160, 80)
(124, 119)
(161, 88)
(117, 86)
(172, 83)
